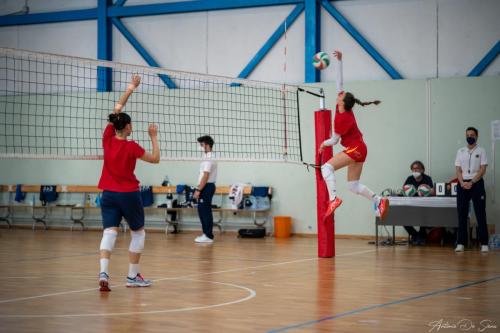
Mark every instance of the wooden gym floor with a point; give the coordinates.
(49, 279)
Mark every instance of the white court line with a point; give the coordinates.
(184, 277)
(251, 294)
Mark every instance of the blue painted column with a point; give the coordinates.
(312, 38)
(104, 45)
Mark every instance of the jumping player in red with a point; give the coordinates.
(345, 130)
(121, 197)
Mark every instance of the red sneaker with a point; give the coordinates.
(383, 207)
(332, 205)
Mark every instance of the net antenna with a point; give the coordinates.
(283, 92)
(55, 107)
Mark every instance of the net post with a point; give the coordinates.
(326, 229)
(104, 45)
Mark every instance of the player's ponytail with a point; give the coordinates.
(350, 100)
(119, 120)
(357, 101)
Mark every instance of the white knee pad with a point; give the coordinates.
(362, 190)
(108, 239)
(354, 186)
(327, 170)
(137, 242)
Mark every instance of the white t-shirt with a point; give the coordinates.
(470, 160)
(210, 166)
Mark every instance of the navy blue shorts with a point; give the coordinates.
(115, 205)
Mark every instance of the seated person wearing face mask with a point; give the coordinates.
(418, 178)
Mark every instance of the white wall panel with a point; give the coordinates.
(467, 31)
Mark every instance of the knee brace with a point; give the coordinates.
(327, 170)
(354, 187)
(108, 240)
(137, 241)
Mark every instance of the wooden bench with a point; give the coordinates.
(220, 192)
(79, 211)
(39, 213)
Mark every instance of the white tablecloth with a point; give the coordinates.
(444, 202)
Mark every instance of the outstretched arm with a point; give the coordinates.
(154, 155)
(134, 83)
(339, 80)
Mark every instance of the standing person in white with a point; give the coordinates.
(205, 191)
(471, 163)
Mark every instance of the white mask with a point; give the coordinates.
(416, 174)
(202, 149)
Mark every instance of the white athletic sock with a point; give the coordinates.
(104, 265)
(133, 270)
(329, 176)
(367, 193)
(358, 188)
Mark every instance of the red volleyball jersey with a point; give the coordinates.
(345, 125)
(120, 157)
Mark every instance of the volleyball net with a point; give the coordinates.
(55, 107)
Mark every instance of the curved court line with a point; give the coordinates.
(251, 294)
(382, 305)
(185, 276)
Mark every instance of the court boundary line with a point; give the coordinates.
(251, 294)
(184, 276)
(382, 305)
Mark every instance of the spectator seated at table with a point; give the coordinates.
(417, 179)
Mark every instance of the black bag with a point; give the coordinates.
(252, 233)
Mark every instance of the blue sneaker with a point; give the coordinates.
(138, 281)
(375, 208)
(104, 282)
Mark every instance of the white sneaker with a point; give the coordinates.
(203, 239)
(484, 248)
(459, 248)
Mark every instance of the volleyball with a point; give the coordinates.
(321, 60)
(387, 192)
(424, 190)
(399, 192)
(409, 190)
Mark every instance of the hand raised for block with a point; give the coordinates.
(134, 82)
(337, 54)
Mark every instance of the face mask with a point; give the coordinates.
(202, 149)
(471, 140)
(416, 174)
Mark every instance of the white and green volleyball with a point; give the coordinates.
(387, 192)
(321, 60)
(409, 190)
(399, 192)
(424, 190)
